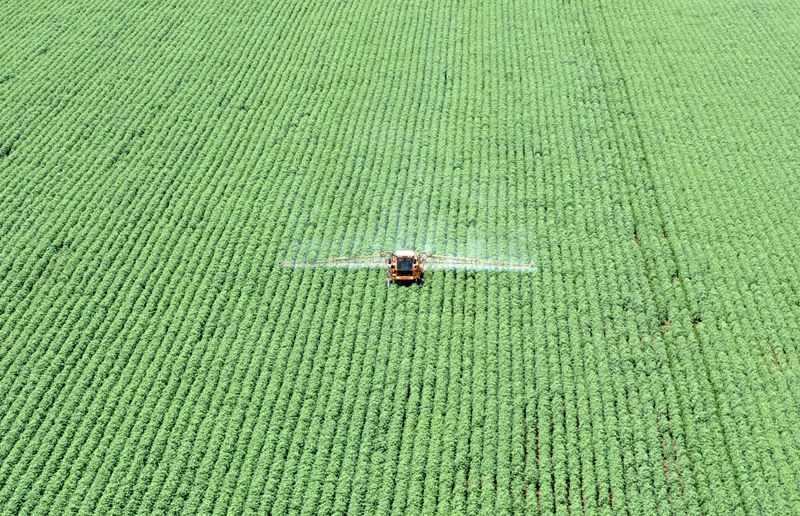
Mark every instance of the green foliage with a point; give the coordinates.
(157, 161)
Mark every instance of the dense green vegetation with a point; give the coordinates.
(158, 159)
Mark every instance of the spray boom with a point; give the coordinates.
(409, 266)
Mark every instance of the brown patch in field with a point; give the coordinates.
(677, 467)
(666, 323)
(776, 361)
(669, 453)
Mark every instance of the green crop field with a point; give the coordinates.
(158, 160)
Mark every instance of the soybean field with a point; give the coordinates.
(160, 159)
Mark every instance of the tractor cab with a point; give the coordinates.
(404, 266)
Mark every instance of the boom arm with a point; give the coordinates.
(457, 262)
(366, 261)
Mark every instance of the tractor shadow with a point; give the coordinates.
(406, 283)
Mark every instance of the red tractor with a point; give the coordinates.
(406, 266)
